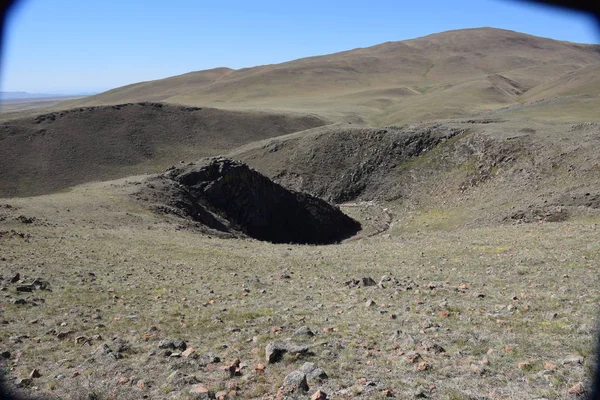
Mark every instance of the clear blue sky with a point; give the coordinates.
(70, 46)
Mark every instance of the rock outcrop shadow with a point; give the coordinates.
(228, 196)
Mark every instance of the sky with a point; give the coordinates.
(80, 46)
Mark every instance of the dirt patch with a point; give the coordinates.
(227, 196)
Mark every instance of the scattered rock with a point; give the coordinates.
(431, 347)
(412, 357)
(370, 303)
(122, 381)
(121, 345)
(25, 288)
(383, 281)
(234, 368)
(294, 382)
(274, 351)
(423, 366)
(172, 344)
(41, 284)
(64, 335)
(313, 372)
(319, 395)
(35, 373)
(105, 350)
(82, 340)
(296, 349)
(17, 339)
(15, 278)
(22, 383)
(200, 392)
(577, 389)
(221, 395)
(303, 330)
(573, 361)
(190, 352)
(368, 281)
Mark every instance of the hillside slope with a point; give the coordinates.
(61, 149)
(473, 172)
(437, 76)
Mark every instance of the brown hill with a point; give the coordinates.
(61, 149)
(456, 172)
(442, 75)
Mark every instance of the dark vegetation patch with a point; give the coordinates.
(227, 196)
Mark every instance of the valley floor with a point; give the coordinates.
(504, 312)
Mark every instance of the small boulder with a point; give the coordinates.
(21, 383)
(121, 345)
(41, 284)
(25, 288)
(412, 357)
(221, 395)
(313, 372)
(303, 331)
(577, 389)
(35, 373)
(319, 395)
(274, 352)
(368, 281)
(200, 392)
(190, 352)
(172, 344)
(296, 349)
(105, 350)
(573, 361)
(294, 382)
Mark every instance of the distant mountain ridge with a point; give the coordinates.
(15, 96)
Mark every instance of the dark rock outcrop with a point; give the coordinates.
(228, 196)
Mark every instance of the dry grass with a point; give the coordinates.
(538, 283)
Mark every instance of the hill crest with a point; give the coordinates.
(448, 72)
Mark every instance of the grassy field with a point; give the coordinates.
(512, 306)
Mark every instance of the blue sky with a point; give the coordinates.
(71, 46)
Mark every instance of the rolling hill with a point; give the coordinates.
(443, 75)
(57, 150)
